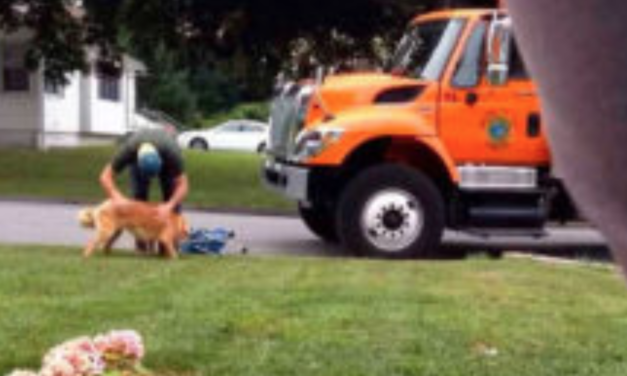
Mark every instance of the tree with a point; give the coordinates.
(246, 41)
(167, 88)
(258, 38)
(58, 34)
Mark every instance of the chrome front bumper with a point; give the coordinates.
(288, 180)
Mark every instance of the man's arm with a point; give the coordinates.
(181, 187)
(107, 181)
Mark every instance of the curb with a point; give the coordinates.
(563, 261)
(190, 207)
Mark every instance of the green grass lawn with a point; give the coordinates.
(218, 180)
(299, 316)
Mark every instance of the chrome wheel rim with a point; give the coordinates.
(392, 220)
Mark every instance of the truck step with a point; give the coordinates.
(509, 217)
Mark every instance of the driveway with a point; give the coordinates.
(55, 224)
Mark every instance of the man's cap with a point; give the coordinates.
(148, 160)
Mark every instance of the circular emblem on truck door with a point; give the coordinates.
(499, 129)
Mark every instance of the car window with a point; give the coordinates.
(229, 127)
(518, 69)
(252, 128)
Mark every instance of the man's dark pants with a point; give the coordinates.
(140, 186)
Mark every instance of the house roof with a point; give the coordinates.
(135, 65)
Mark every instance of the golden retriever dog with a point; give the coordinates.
(140, 219)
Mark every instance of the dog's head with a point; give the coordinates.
(86, 218)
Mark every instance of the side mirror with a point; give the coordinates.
(320, 73)
(499, 45)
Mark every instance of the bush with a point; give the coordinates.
(198, 96)
(254, 111)
(214, 91)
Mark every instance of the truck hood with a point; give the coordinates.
(341, 92)
(401, 121)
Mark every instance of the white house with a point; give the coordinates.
(94, 107)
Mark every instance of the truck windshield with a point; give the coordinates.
(425, 49)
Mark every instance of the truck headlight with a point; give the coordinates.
(312, 142)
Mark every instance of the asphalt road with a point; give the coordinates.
(56, 224)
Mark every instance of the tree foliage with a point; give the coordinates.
(259, 37)
(58, 35)
(223, 49)
(168, 89)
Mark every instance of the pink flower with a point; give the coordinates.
(120, 348)
(77, 357)
(117, 351)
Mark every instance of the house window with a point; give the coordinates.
(108, 82)
(15, 76)
(109, 88)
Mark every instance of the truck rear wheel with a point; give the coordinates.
(319, 220)
(391, 211)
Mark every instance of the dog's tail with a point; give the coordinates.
(86, 218)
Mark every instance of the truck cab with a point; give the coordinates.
(447, 135)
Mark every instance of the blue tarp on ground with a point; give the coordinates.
(207, 241)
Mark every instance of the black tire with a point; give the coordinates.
(199, 144)
(411, 222)
(261, 148)
(320, 221)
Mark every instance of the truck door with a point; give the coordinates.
(482, 123)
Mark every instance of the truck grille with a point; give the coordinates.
(286, 120)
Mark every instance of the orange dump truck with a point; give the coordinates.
(448, 135)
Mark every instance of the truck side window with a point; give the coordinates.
(468, 72)
(517, 68)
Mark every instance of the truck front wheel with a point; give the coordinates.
(391, 211)
(319, 220)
